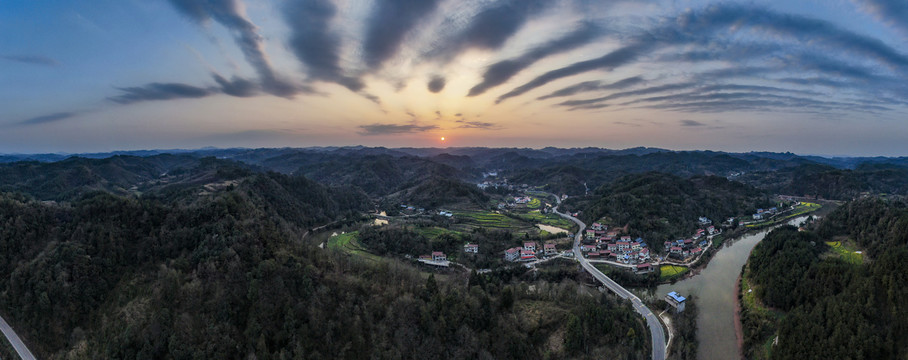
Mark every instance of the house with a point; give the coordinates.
(623, 245)
(705, 221)
(696, 251)
(512, 254)
(675, 300)
(667, 245)
(439, 256)
(446, 213)
(703, 243)
(550, 249)
(593, 254)
(529, 245)
(590, 233)
(612, 247)
(731, 220)
(471, 248)
(587, 248)
(676, 250)
(758, 216)
(636, 246)
(711, 230)
(626, 238)
(644, 268)
(425, 257)
(643, 254)
(527, 255)
(597, 226)
(688, 242)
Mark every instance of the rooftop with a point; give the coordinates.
(677, 297)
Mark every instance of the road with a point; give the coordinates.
(655, 327)
(15, 341)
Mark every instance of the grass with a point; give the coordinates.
(846, 252)
(349, 244)
(668, 272)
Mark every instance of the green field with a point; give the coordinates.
(349, 244)
(491, 220)
(435, 232)
(846, 252)
(671, 271)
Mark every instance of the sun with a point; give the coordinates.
(442, 138)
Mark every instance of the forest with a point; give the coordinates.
(224, 273)
(822, 306)
(662, 206)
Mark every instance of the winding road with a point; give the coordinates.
(652, 321)
(15, 341)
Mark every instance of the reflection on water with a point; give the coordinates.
(714, 288)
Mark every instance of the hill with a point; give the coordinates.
(838, 291)
(663, 207)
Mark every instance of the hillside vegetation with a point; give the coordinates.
(832, 308)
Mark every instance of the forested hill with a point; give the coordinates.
(70, 178)
(841, 287)
(814, 180)
(223, 272)
(666, 207)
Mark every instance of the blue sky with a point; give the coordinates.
(814, 77)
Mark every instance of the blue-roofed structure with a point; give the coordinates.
(675, 300)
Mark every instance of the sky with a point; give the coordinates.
(823, 77)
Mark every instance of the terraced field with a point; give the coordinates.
(491, 220)
(534, 203)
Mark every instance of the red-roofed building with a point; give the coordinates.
(471, 248)
(644, 268)
(623, 245)
(550, 249)
(527, 255)
(439, 256)
(676, 250)
(529, 245)
(512, 254)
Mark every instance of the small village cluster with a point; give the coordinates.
(601, 243)
(529, 251)
(765, 213)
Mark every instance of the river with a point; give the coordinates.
(714, 288)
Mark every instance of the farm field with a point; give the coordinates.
(671, 271)
(491, 220)
(547, 219)
(349, 244)
(846, 252)
(799, 210)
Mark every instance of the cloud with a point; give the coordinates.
(892, 12)
(48, 118)
(236, 86)
(691, 123)
(388, 129)
(502, 71)
(231, 14)
(437, 83)
(314, 43)
(595, 85)
(618, 95)
(699, 27)
(490, 28)
(160, 91)
(611, 60)
(31, 60)
(388, 24)
(477, 125)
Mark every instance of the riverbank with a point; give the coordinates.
(739, 329)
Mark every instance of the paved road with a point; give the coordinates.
(15, 341)
(655, 327)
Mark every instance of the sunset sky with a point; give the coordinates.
(809, 76)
